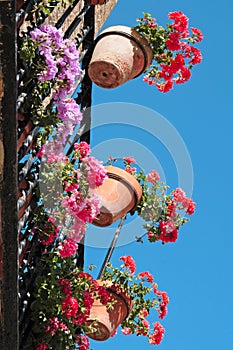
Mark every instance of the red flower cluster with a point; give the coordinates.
(143, 313)
(70, 306)
(144, 328)
(82, 342)
(55, 324)
(65, 286)
(163, 302)
(129, 263)
(147, 275)
(104, 296)
(157, 335)
(129, 160)
(167, 230)
(175, 63)
(42, 346)
(49, 232)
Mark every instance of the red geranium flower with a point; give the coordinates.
(129, 263)
(147, 275)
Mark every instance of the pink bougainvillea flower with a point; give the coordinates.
(96, 173)
(83, 148)
(83, 342)
(153, 176)
(179, 195)
(190, 206)
(67, 248)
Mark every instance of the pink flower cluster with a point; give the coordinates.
(83, 342)
(61, 66)
(67, 248)
(68, 110)
(77, 205)
(95, 172)
(61, 58)
(75, 308)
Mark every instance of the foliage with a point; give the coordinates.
(65, 294)
(145, 296)
(65, 188)
(63, 298)
(52, 66)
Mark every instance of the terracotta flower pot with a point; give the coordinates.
(119, 194)
(107, 321)
(120, 54)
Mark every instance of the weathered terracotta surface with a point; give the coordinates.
(119, 194)
(108, 320)
(96, 2)
(117, 59)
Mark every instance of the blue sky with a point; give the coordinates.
(196, 271)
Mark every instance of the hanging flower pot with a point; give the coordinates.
(107, 320)
(119, 194)
(120, 54)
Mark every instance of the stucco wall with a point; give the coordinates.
(101, 14)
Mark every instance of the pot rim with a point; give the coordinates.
(115, 31)
(129, 180)
(118, 290)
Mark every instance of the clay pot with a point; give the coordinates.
(119, 194)
(120, 54)
(107, 321)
